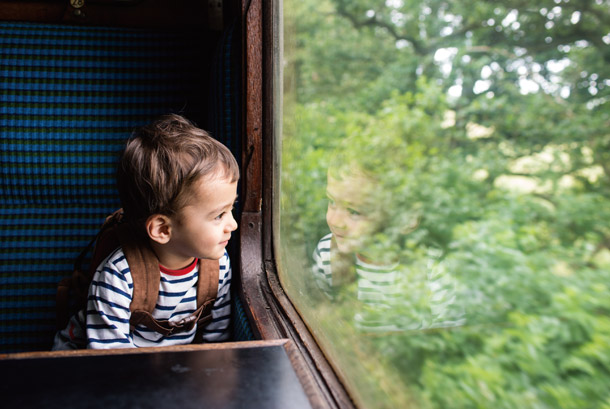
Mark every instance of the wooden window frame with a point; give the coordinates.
(271, 313)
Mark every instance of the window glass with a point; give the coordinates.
(444, 215)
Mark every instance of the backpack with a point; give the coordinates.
(72, 291)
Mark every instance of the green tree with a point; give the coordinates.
(493, 118)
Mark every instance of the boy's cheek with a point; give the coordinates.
(362, 228)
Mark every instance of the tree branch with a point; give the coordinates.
(375, 22)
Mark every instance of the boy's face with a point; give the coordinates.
(203, 227)
(351, 215)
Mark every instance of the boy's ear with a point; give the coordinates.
(158, 228)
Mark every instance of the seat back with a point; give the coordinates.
(70, 96)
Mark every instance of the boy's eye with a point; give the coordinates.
(353, 212)
(223, 214)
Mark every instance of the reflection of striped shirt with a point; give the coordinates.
(394, 297)
(321, 266)
(110, 296)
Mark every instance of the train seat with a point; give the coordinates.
(70, 96)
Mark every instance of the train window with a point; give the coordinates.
(444, 215)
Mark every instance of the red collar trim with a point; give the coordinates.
(181, 271)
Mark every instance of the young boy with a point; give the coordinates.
(341, 259)
(363, 260)
(177, 187)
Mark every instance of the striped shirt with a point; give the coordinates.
(395, 297)
(108, 313)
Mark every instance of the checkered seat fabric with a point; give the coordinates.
(69, 97)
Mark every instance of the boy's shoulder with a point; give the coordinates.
(322, 250)
(324, 242)
(114, 268)
(116, 259)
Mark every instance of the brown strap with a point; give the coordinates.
(207, 290)
(144, 268)
(141, 259)
(76, 287)
(165, 327)
(207, 285)
(106, 241)
(61, 302)
(342, 266)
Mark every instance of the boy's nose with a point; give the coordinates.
(232, 224)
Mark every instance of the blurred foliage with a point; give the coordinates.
(490, 120)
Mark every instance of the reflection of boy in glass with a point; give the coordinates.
(362, 258)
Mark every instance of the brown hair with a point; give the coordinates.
(161, 162)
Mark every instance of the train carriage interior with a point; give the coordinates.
(77, 78)
(422, 203)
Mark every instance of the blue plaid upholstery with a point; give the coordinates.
(70, 96)
(224, 112)
(224, 120)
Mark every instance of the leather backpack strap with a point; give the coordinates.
(145, 272)
(165, 327)
(207, 284)
(105, 241)
(76, 287)
(61, 303)
(207, 289)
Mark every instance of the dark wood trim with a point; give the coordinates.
(329, 383)
(253, 289)
(252, 144)
(329, 387)
(272, 314)
(33, 11)
(138, 13)
(292, 354)
(128, 351)
(271, 37)
(250, 230)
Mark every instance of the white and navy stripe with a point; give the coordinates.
(321, 267)
(395, 297)
(108, 313)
